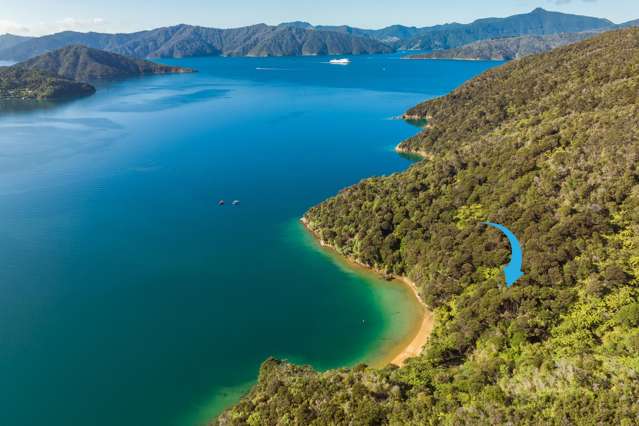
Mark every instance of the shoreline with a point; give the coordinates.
(408, 347)
(423, 155)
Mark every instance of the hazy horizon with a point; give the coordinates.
(36, 17)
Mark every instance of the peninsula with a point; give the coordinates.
(549, 145)
(19, 83)
(66, 72)
(83, 63)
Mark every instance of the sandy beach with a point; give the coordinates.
(414, 342)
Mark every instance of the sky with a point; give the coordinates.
(38, 17)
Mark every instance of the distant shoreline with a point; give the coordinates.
(408, 347)
(420, 58)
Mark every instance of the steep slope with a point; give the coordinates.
(537, 22)
(505, 49)
(186, 41)
(82, 63)
(10, 40)
(24, 84)
(548, 146)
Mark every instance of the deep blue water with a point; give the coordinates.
(128, 297)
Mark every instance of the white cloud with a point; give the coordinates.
(12, 27)
(75, 24)
(65, 24)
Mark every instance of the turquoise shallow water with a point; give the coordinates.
(127, 296)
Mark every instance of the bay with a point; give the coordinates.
(128, 296)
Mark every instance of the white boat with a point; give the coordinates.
(342, 61)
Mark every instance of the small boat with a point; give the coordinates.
(220, 203)
(236, 202)
(343, 61)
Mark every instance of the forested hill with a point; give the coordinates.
(548, 146)
(82, 63)
(187, 40)
(63, 73)
(19, 83)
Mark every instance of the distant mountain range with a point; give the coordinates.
(302, 38)
(186, 41)
(537, 22)
(505, 49)
(83, 63)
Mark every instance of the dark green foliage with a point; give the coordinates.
(17, 82)
(187, 40)
(549, 146)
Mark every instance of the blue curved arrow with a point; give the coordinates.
(513, 269)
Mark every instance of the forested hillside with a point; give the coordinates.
(548, 146)
(19, 83)
(187, 40)
(82, 63)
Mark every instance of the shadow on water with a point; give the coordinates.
(19, 106)
(411, 157)
(164, 99)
